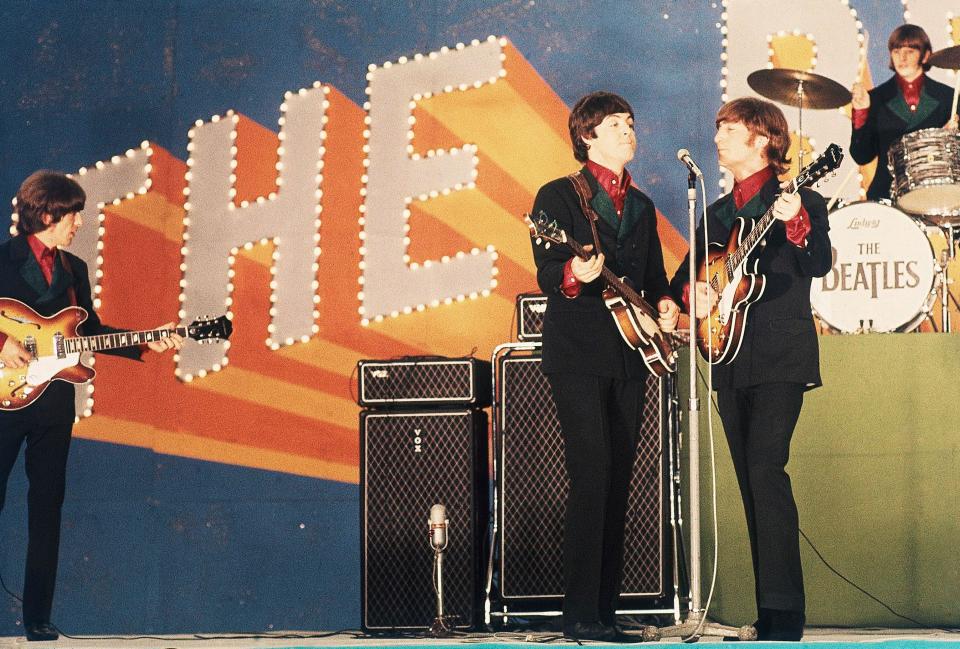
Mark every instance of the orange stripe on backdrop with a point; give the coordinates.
(155, 301)
(256, 160)
(167, 175)
(536, 92)
(130, 433)
(492, 179)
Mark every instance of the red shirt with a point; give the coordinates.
(911, 95)
(46, 258)
(616, 187)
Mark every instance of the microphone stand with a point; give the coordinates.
(696, 625)
(440, 627)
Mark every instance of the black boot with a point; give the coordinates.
(40, 632)
(783, 626)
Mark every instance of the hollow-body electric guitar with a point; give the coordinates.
(635, 318)
(737, 284)
(56, 349)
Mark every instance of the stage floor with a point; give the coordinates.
(826, 638)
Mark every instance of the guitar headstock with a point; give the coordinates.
(813, 173)
(542, 228)
(210, 329)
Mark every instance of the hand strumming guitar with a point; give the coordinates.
(13, 354)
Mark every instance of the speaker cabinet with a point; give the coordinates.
(532, 487)
(410, 461)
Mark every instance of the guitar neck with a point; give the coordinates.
(615, 282)
(118, 340)
(755, 235)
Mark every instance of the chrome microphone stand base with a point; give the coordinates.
(442, 627)
(694, 628)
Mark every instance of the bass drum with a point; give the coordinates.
(883, 276)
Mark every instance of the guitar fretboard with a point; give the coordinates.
(117, 340)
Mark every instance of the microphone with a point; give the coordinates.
(438, 527)
(684, 156)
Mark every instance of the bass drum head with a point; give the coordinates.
(883, 271)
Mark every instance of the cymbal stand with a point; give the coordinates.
(800, 124)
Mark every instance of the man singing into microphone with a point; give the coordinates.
(760, 392)
(597, 381)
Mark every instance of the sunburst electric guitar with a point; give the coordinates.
(737, 284)
(56, 349)
(635, 318)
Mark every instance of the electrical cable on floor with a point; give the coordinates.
(837, 572)
(867, 593)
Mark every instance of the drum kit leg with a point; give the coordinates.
(952, 234)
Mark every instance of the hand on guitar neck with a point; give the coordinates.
(589, 269)
(173, 341)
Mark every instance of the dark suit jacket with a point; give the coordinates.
(22, 279)
(780, 339)
(889, 119)
(579, 334)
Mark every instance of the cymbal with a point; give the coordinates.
(948, 57)
(780, 84)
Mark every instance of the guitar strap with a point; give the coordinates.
(583, 193)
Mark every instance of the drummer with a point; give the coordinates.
(909, 101)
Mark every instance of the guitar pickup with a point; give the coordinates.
(59, 345)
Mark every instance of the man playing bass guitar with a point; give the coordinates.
(597, 381)
(35, 270)
(760, 391)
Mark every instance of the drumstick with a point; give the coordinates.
(836, 195)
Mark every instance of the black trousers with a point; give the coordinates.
(600, 419)
(47, 445)
(759, 423)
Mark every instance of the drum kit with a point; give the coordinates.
(885, 276)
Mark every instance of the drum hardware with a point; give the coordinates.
(946, 257)
(884, 276)
(799, 88)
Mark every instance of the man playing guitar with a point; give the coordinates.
(760, 391)
(597, 381)
(36, 271)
